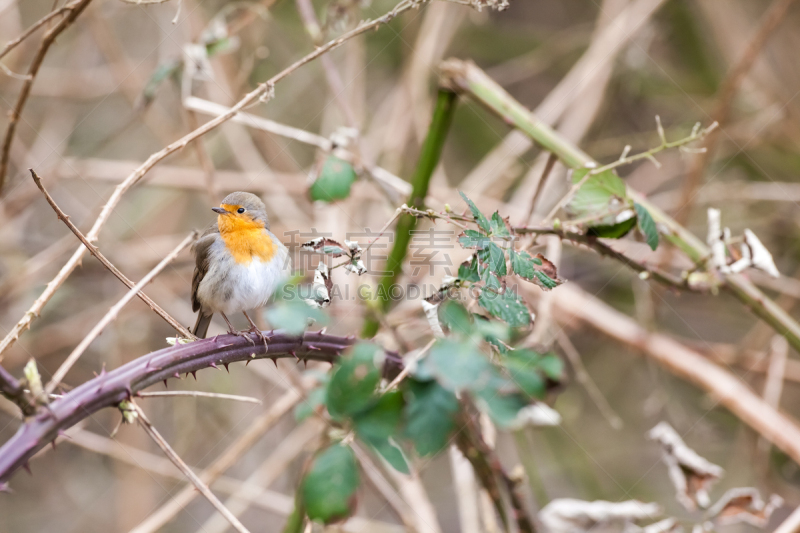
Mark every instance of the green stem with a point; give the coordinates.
(428, 160)
(467, 78)
(296, 521)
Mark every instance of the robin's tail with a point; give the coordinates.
(201, 326)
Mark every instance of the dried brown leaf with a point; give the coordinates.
(691, 474)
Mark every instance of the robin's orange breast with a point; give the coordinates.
(246, 239)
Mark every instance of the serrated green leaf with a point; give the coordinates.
(507, 306)
(352, 385)
(490, 279)
(472, 239)
(330, 485)
(499, 228)
(546, 281)
(647, 225)
(455, 317)
(459, 365)
(480, 218)
(524, 266)
(494, 258)
(430, 416)
(334, 181)
(468, 270)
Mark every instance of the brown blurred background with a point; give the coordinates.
(96, 112)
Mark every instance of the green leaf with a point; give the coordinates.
(491, 280)
(468, 270)
(480, 218)
(473, 239)
(430, 416)
(524, 266)
(647, 225)
(499, 227)
(507, 306)
(353, 382)
(597, 194)
(330, 485)
(455, 317)
(523, 367)
(494, 258)
(496, 333)
(389, 451)
(459, 365)
(552, 366)
(546, 281)
(334, 181)
(376, 425)
(293, 316)
(380, 421)
(502, 407)
(603, 196)
(613, 231)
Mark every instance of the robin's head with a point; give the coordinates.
(240, 211)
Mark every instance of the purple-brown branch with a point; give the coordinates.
(109, 389)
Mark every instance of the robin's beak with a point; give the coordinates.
(219, 210)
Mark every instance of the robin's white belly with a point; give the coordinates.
(229, 287)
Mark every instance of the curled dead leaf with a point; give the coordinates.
(691, 474)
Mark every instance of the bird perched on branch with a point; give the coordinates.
(238, 263)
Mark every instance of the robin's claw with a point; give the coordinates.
(244, 334)
(260, 335)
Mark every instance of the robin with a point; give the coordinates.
(238, 263)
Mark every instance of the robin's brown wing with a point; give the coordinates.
(200, 249)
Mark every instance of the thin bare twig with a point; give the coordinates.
(113, 312)
(10, 45)
(279, 459)
(75, 9)
(403, 373)
(253, 97)
(196, 481)
(583, 377)
(548, 167)
(106, 263)
(773, 16)
(376, 478)
(199, 394)
(225, 460)
(625, 159)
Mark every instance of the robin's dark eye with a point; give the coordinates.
(240, 210)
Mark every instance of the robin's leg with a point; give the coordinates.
(233, 331)
(255, 329)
